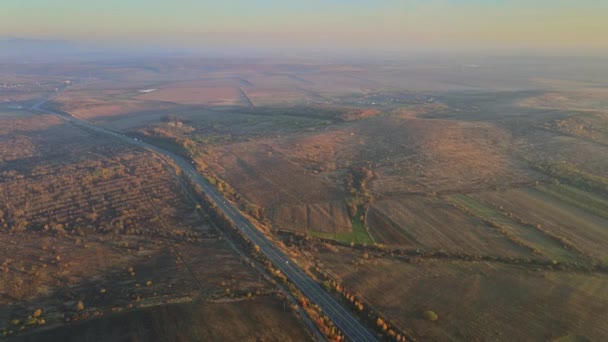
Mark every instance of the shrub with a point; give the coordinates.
(37, 313)
(430, 315)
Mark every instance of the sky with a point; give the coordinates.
(366, 25)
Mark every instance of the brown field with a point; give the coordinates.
(261, 319)
(85, 105)
(383, 230)
(584, 229)
(270, 180)
(291, 218)
(221, 80)
(330, 218)
(477, 301)
(268, 177)
(219, 96)
(432, 224)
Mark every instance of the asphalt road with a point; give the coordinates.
(352, 329)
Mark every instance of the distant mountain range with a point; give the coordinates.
(35, 48)
(31, 50)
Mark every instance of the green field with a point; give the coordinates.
(578, 198)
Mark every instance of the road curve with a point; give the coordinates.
(352, 329)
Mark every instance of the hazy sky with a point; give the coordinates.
(314, 24)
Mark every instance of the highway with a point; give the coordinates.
(344, 320)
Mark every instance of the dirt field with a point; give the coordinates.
(329, 218)
(432, 224)
(478, 301)
(269, 178)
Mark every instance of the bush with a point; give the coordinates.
(430, 315)
(37, 313)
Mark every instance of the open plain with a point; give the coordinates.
(412, 187)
